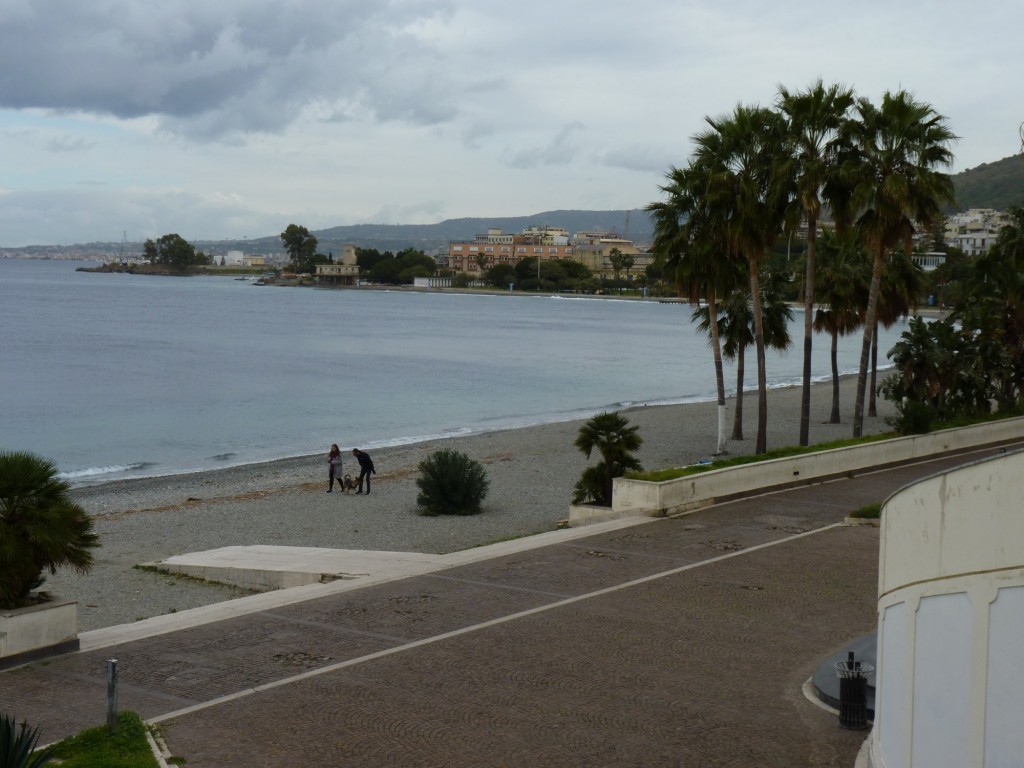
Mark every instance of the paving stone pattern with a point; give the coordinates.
(695, 667)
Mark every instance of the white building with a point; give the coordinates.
(950, 682)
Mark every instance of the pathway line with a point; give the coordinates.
(477, 627)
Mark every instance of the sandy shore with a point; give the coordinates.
(532, 472)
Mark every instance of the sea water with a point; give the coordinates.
(116, 375)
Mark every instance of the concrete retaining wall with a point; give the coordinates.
(641, 497)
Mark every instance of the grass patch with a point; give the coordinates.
(661, 475)
(124, 747)
(868, 512)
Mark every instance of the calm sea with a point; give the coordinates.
(115, 376)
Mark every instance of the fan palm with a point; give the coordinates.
(817, 120)
(41, 528)
(744, 155)
(842, 270)
(897, 149)
(902, 285)
(736, 328)
(611, 436)
(690, 246)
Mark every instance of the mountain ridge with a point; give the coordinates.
(998, 185)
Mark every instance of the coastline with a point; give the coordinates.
(532, 471)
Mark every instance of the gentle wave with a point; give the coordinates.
(94, 473)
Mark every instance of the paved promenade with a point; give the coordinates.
(673, 642)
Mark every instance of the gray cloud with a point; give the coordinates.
(645, 159)
(220, 68)
(559, 151)
(69, 144)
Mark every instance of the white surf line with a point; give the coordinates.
(476, 627)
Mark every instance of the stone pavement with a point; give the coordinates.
(676, 642)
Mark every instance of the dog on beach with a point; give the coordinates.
(349, 484)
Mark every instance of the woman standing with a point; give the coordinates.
(334, 468)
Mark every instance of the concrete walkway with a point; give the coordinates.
(671, 642)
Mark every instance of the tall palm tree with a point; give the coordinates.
(41, 528)
(611, 436)
(816, 119)
(893, 167)
(842, 270)
(902, 285)
(745, 156)
(690, 247)
(736, 328)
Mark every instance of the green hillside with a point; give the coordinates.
(991, 185)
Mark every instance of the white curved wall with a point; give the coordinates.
(950, 682)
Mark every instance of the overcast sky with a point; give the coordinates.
(233, 118)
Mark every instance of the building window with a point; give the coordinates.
(552, 250)
(538, 250)
(473, 249)
(520, 249)
(489, 249)
(456, 247)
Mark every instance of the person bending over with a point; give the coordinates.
(365, 469)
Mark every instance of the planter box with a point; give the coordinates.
(31, 633)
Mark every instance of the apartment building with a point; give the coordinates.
(975, 230)
(496, 247)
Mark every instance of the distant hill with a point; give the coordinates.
(991, 185)
(431, 237)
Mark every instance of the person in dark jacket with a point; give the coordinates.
(365, 469)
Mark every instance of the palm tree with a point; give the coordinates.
(41, 528)
(892, 167)
(611, 436)
(736, 328)
(690, 247)
(842, 270)
(816, 126)
(902, 284)
(744, 155)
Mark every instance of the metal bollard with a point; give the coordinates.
(853, 693)
(112, 693)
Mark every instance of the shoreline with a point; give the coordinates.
(531, 470)
(95, 481)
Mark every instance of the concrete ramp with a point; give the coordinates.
(263, 568)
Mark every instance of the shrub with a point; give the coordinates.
(41, 528)
(867, 512)
(913, 417)
(611, 436)
(18, 744)
(451, 483)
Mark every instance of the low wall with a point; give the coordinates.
(38, 631)
(643, 497)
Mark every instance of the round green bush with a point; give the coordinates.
(451, 483)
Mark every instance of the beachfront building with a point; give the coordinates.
(975, 230)
(342, 272)
(476, 256)
(592, 249)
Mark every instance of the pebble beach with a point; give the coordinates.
(531, 471)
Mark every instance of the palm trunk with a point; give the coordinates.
(737, 422)
(719, 373)
(834, 417)
(805, 394)
(762, 374)
(865, 350)
(872, 409)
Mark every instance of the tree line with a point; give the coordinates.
(757, 174)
